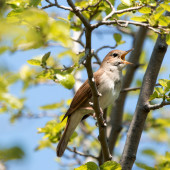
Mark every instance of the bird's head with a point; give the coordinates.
(115, 59)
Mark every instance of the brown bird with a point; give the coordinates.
(108, 81)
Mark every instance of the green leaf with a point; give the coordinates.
(164, 20)
(166, 7)
(43, 144)
(144, 166)
(117, 37)
(88, 166)
(154, 95)
(163, 82)
(45, 58)
(11, 154)
(35, 3)
(127, 2)
(14, 102)
(145, 10)
(66, 80)
(52, 106)
(139, 19)
(149, 152)
(159, 90)
(110, 165)
(34, 62)
(168, 39)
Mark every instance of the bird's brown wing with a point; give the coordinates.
(82, 95)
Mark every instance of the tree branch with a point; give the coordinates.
(157, 106)
(124, 23)
(80, 153)
(136, 127)
(134, 88)
(62, 7)
(95, 94)
(78, 13)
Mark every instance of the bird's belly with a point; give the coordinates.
(109, 95)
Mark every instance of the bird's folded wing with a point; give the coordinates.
(82, 95)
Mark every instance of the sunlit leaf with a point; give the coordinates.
(127, 2)
(144, 166)
(166, 7)
(140, 19)
(88, 166)
(110, 165)
(145, 10)
(44, 144)
(45, 57)
(52, 106)
(168, 39)
(66, 80)
(34, 62)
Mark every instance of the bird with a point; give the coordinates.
(108, 79)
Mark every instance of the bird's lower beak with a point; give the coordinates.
(123, 56)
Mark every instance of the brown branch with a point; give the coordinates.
(95, 94)
(106, 46)
(136, 127)
(157, 106)
(134, 88)
(78, 13)
(118, 109)
(80, 153)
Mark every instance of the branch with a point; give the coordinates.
(105, 46)
(62, 7)
(78, 13)
(157, 106)
(124, 23)
(95, 94)
(80, 153)
(134, 88)
(111, 13)
(136, 127)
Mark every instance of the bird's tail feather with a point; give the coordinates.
(71, 125)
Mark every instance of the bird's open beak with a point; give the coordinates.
(123, 56)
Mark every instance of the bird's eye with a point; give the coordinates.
(115, 54)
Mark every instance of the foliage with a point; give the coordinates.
(26, 25)
(109, 165)
(12, 153)
(162, 92)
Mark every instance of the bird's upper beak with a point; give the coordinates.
(123, 56)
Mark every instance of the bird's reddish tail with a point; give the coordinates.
(71, 125)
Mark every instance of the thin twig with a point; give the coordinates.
(105, 46)
(77, 12)
(80, 153)
(134, 88)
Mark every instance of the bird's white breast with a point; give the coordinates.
(109, 87)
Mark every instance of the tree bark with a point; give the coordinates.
(141, 112)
